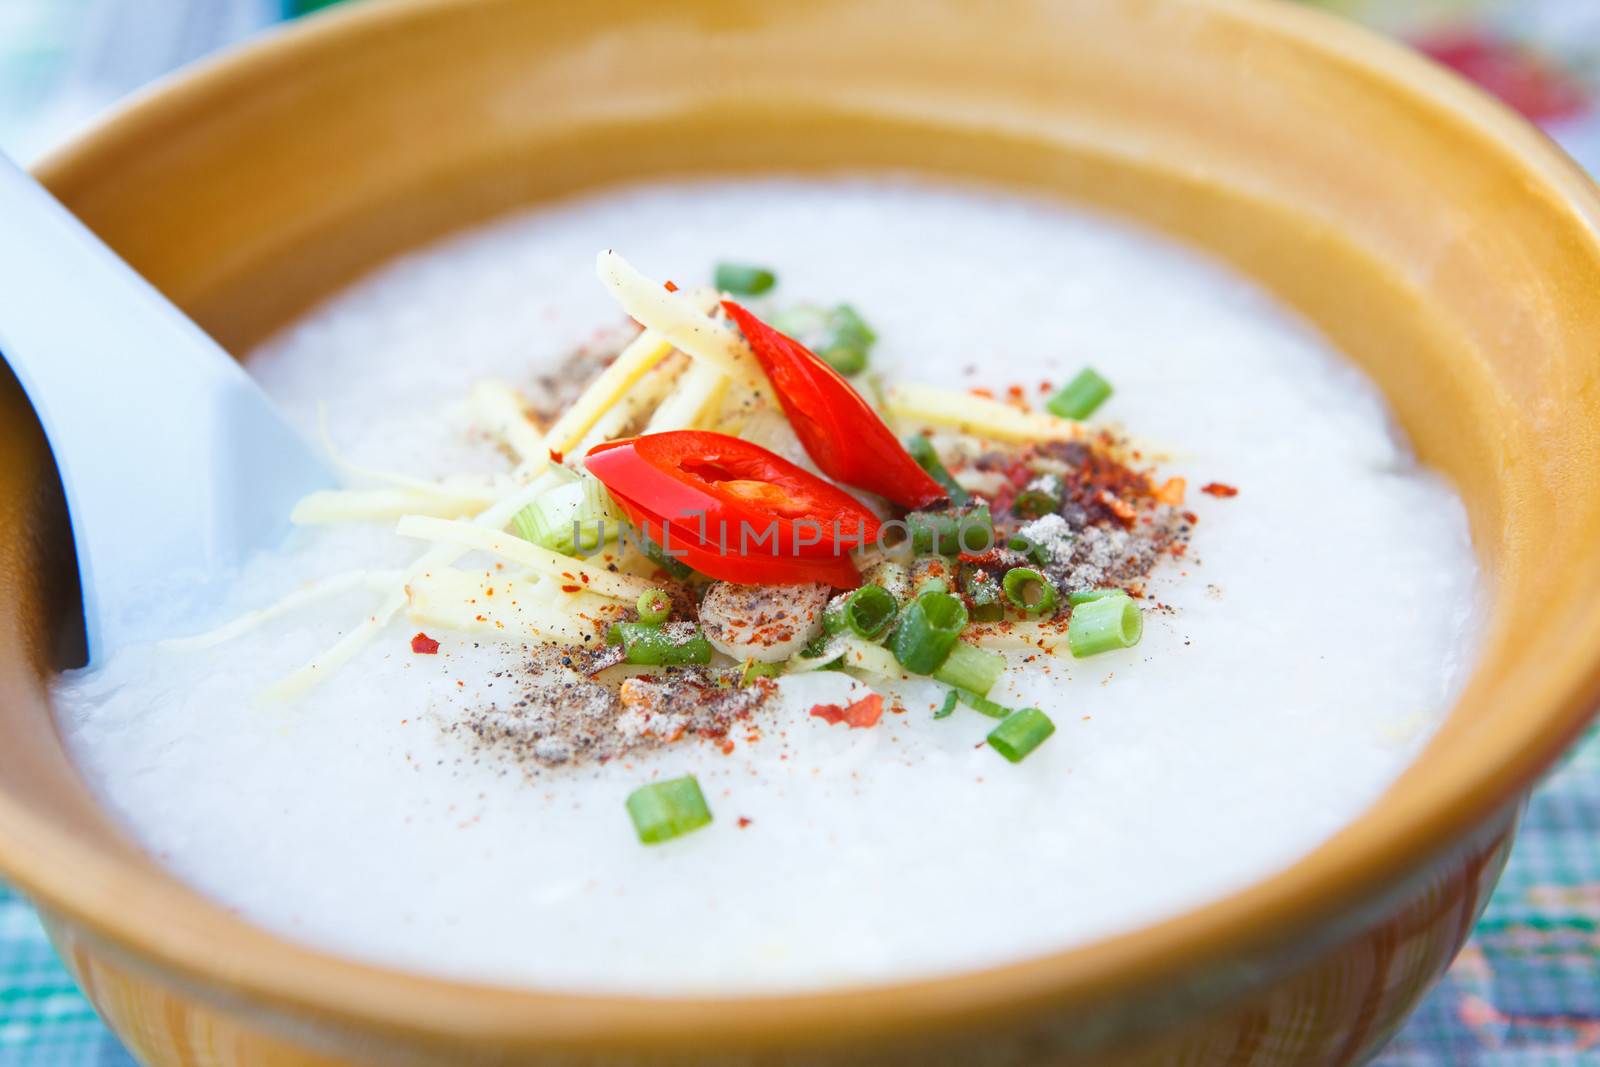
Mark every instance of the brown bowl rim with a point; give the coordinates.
(141, 912)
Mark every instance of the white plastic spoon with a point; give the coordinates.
(175, 465)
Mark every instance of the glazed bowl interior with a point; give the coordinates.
(1435, 239)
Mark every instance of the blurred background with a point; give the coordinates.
(1526, 990)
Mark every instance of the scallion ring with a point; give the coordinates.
(655, 607)
(1104, 625)
(928, 631)
(869, 610)
(1079, 398)
(663, 810)
(970, 668)
(1029, 591)
(1022, 731)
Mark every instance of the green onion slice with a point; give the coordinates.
(949, 533)
(1037, 553)
(928, 630)
(983, 705)
(971, 668)
(1079, 398)
(1029, 591)
(674, 566)
(1083, 596)
(743, 279)
(850, 329)
(754, 668)
(921, 450)
(893, 577)
(1022, 731)
(847, 361)
(655, 607)
(1102, 625)
(983, 594)
(869, 610)
(1040, 497)
(833, 620)
(576, 517)
(946, 709)
(662, 811)
(658, 646)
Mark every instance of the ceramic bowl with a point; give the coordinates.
(1439, 241)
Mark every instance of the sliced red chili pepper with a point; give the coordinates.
(734, 510)
(839, 429)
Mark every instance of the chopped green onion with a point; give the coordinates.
(1022, 731)
(846, 361)
(928, 630)
(1029, 591)
(655, 607)
(674, 566)
(1040, 497)
(655, 646)
(1083, 596)
(893, 577)
(826, 646)
(971, 668)
(921, 450)
(849, 341)
(663, 810)
(743, 279)
(754, 668)
(949, 533)
(1079, 398)
(850, 329)
(804, 322)
(1036, 553)
(948, 707)
(833, 620)
(932, 531)
(576, 517)
(869, 610)
(1102, 625)
(982, 590)
(983, 705)
(929, 575)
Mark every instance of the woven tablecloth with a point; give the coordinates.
(1526, 990)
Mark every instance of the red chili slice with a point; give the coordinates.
(734, 510)
(839, 430)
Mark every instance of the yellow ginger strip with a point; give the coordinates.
(353, 472)
(367, 505)
(699, 391)
(443, 555)
(635, 361)
(631, 406)
(342, 652)
(320, 590)
(676, 317)
(500, 409)
(489, 602)
(929, 405)
(564, 569)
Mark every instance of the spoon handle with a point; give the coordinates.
(174, 462)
